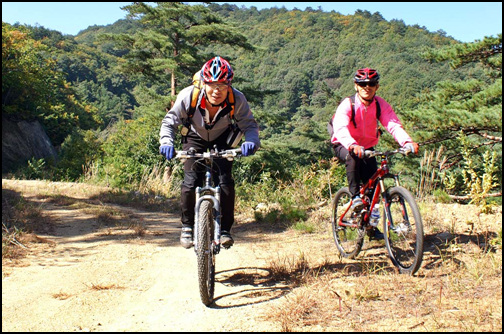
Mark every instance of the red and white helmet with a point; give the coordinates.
(366, 75)
(217, 69)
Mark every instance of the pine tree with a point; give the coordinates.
(465, 117)
(472, 106)
(168, 46)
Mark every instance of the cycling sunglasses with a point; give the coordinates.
(364, 84)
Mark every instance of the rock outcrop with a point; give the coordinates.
(22, 141)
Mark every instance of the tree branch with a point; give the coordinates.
(469, 197)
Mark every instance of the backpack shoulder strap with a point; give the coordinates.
(231, 101)
(194, 94)
(379, 131)
(378, 109)
(352, 101)
(194, 101)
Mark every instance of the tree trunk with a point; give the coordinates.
(173, 90)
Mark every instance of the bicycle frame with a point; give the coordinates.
(208, 192)
(403, 236)
(375, 185)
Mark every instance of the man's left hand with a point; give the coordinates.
(248, 148)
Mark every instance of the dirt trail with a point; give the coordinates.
(87, 277)
(105, 267)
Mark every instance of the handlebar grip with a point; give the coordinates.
(405, 151)
(233, 151)
(369, 153)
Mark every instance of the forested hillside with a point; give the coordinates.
(101, 95)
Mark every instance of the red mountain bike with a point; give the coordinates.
(402, 223)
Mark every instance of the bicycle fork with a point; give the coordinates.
(202, 194)
(388, 214)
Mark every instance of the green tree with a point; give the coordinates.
(33, 89)
(168, 44)
(465, 116)
(471, 105)
(26, 76)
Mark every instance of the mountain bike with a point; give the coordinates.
(402, 223)
(207, 226)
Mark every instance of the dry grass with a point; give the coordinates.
(61, 295)
(452, 297)
(99, 287)
(23, 218)
(458, 288)
(159, 181)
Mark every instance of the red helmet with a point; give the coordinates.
(366, 75)
(217, 69)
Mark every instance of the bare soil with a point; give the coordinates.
(87, 275)
(126, 271)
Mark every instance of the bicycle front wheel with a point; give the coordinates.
(204, 253)
(348, 237)
(403, 230)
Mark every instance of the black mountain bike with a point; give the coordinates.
(402, 223)
(207, 227)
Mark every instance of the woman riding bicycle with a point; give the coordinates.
(356, 130)
(210, 125)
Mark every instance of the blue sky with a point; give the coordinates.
(464, 21)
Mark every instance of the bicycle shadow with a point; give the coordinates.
(260, 285)
(257, 285)
(438, 247)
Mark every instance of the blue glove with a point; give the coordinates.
(168, 151)
(248, 148)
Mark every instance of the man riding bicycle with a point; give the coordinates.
(355, 126)
(218, 105)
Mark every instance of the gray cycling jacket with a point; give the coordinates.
(178, 114)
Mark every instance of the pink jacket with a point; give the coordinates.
(365, 134)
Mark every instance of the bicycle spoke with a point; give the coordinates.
(348, 238)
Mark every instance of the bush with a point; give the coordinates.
(130, 151)
(78, 151)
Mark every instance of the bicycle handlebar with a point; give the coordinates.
(226, 154)
(401, 150)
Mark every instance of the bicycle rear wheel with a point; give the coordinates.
(204, 253)
(403, 230)
(348, 239)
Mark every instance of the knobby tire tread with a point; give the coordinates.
(413, 214)
(205, 257)
(351, 253)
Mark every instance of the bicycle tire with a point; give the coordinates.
(204, 253)
(403, 230)
(349, 240)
